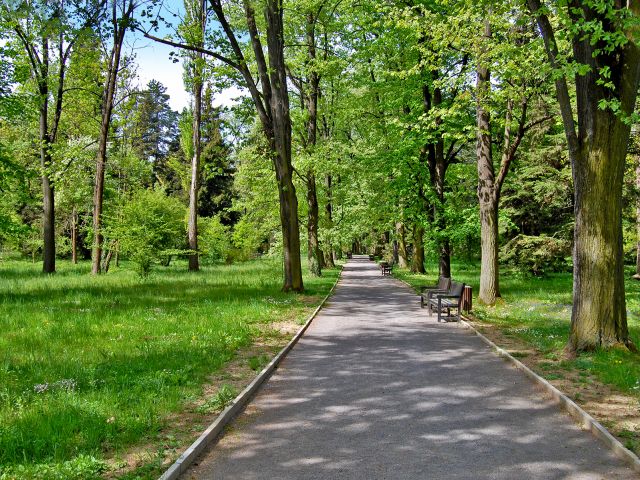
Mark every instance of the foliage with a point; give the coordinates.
(537, 255)
(150, 228)
(214, 240)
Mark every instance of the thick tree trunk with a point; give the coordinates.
(74, 236)
(48, 219)
(194, 264)
(417, 262)
(281, 137)
(487, 196)
(599, 317)
(48, 205)
(597, 149)
(403, 261)
(489, 270)
(108, 98)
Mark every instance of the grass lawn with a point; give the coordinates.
(536, 312)
(93, 366)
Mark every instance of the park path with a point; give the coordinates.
(377, 390)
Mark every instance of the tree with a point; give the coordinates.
(193, 31)
(121, 20)
(603, 36)
(270, 96)
(48, 31)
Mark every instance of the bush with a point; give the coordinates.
(214, 240)
(537, 255)
(151, 228)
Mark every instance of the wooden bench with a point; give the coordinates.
(426, 292)
(446, 302)
(385, 268)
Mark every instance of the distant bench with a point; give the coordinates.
(385, 268)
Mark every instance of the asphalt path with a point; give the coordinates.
(376, 389)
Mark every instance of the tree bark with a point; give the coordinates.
(194, 264)
(487, 197)
(599, 314)
(281, 144)
(108, 96)
(417, 262)
(197, 67)
(74, 236)
(313, 250)
(330, 255)
(637, 275)
(48, 202)
(403, 261)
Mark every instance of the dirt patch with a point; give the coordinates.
(617, 411)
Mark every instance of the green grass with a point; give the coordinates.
(90, 366)
(538, 311)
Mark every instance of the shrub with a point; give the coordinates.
(214, 240)
(150, 228)
(537, 255)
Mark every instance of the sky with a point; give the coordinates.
(154, 64)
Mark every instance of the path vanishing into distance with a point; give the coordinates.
(376, 389)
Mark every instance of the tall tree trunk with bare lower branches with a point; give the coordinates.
(194, 264)
(34, 30)
(196, 30)
(597, 149)
(489, 283)
(281, 122)
(119, 26)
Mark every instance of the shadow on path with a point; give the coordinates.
(376, 389)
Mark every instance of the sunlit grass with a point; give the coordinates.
(90, 366)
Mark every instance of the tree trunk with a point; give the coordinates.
(487, 196)
(281, 138)
(74, 236)
(330, 255)
(48, 205)
(313, 251)
(403, 261)
(194, 264)
(417, 262)
(108, 98)
(637, 275)
(48, 219)
(445, 258)
(599, 317)
(597, 149)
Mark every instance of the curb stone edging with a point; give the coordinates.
(211, 433)
(582, 418)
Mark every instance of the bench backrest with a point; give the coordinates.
(444, 283)
(456, 289)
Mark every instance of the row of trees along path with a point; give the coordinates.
(590, 56)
